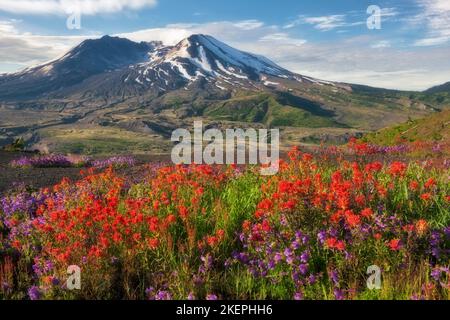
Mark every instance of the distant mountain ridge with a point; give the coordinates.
(443, 88)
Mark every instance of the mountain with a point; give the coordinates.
(143, 67)
(116, 95)
(443, 88)
(90, 58)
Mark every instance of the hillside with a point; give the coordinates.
(435, 127)
(443, 88)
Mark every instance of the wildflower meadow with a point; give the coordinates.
(205, 232)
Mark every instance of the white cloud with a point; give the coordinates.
(436, 17)
(7, 27)
(58, 7)
(323, 23)
(381, 44)
(326, 23)
(364, 59)
(229, 31)
(20, 50)
(249, 24)
(434, 41)
(388, 12)
(282, 37)
(339, 21)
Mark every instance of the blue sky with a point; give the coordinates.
(327, 39)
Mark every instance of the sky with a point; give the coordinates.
(408, 49)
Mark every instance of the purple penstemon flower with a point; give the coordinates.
(295, 245)
(312, 279)
(436, 274)
(298, 296)
(42, 161)
(116, 162)
(191, 296)
(149, 292)
(278, 257)
(304, 257)
(321, 236)
(34, 293)
(338, 294)
(303, 268)
(334, 276)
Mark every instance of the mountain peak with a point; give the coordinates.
(211, 54)
(119, 63)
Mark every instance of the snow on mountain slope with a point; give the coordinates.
(204, 57)
(113, 66)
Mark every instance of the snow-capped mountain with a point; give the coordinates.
(114, 66)
(90, 58)
(202, 57)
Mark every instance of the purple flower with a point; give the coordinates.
(338, 294)
(303, 268)
(436, 274)
(34, 293)
(48, 266)
(304, 257)
(211, 296)
(163, 295)
(298, 296)
(191, 296)
(37, 268)
(198, 280)
(288, 254)
(116, 162)
(44, 161)
(207, 261)
(290, 260)
(149, 292)
(305, 239)
(5, 286)
(298, 234)
(295, 245)
(277, 257)
(55, 281)
(447, 232)
(334, 276)
(242, 257)
(321, 236)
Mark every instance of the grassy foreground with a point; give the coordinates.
(203, 232)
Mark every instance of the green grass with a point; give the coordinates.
(102, 141)
(267, 109)
(432, 128)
